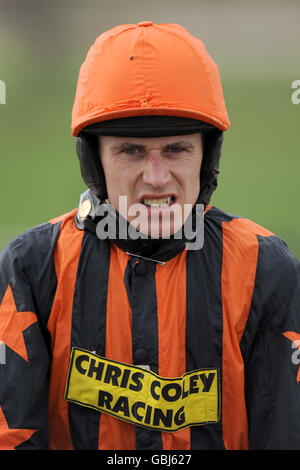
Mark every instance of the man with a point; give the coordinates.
(118, 332)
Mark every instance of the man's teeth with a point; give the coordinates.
(163, 202)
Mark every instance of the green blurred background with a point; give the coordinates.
(255, 44)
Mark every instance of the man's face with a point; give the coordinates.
(159, 175)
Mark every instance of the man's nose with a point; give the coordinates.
(156, 172)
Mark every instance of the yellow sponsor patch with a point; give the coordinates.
(140, 396)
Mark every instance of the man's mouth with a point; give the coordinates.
(158, 202)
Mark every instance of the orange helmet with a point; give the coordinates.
(147, 70)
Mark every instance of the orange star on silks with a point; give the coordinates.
(10, 438)
(295, 338)
(13, 323)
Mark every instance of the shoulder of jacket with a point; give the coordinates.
(40, 239)
(236, 225)
(240, 233)
(243, 234)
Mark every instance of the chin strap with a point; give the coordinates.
(211, 184)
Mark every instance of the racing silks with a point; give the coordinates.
(105, 350)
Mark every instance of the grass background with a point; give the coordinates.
(255, 44)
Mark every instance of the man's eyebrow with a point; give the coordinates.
(142, 147)
(127, 144)
(182, 143)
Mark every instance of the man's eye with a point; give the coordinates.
(131, 150)
(176, 149)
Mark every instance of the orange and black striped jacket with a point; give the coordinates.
(221, 323)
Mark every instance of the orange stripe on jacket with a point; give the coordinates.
(66, 259)
(171, 312)
(240, 252)
(115, 434)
